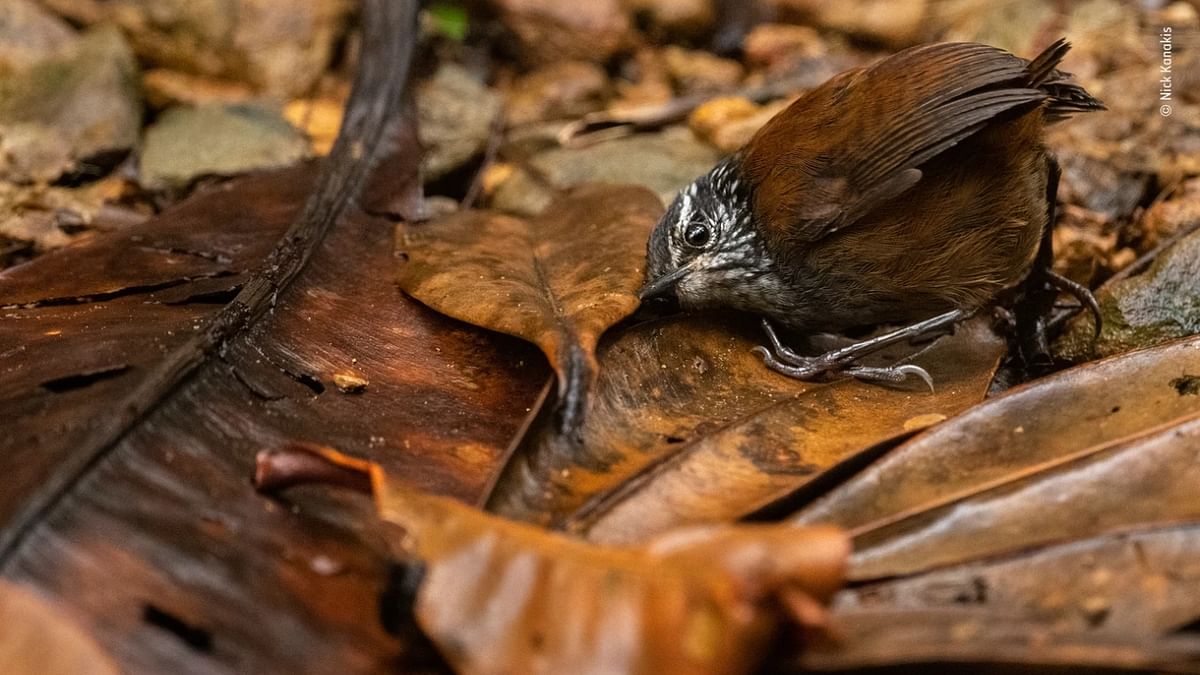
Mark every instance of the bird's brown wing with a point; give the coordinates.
(859, 139)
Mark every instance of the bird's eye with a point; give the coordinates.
(696, 235)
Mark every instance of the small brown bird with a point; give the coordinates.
(914, 189)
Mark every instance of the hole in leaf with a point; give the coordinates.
(309, 381)
(220, 297)
(195, 637)
(81, 380)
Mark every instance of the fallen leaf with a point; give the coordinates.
(502, 597)
(38, 638)
(558, 280)
(969, 640)
(688, 426)
(1132, 586)
(1150, 478)
(1066, 456)
(145, 367)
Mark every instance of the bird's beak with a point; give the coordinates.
(663, 284)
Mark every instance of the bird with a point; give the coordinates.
(910, 192)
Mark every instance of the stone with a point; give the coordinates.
(456, 113)
(551, 31)
(1015, 25)
(896, 23)
(728, 123)
(82, 106)
(1160, 304)
(187, 143)
(279, 47)
(29, 34)
(560, 90)
(681, 19)
(664, 162)
(776, 46)
(695, 71)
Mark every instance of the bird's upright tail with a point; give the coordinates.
(1066, 96)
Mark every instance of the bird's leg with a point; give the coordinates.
(1041, 288)
(1081, 293)
(843, 360)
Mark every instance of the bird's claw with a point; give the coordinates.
(783, 360)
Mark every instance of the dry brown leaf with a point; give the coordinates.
(505, 597)
(969, 640)
(1133, 585)
(36, 638)
(1104, 446)
(558, 280)
(687, 426)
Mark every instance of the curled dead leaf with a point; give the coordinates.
(687, 426)
(558, 280)
(502, 597)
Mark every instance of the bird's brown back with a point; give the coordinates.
(914, 185)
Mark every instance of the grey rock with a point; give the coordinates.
(280, 47)
(455, 119)
(663, 162)
(62, 111)
(1160, 304)
(189, 142)
(29, 34)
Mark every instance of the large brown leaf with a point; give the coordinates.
(1135, 585)
(37, 638)
(558, 280)
(972, 640)
(1107, 445)
(147, 367)
(688, 426)
(505, 597)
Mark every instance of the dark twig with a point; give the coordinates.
(495, 140)
(604, 125)
(389, 28)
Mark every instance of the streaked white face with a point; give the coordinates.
(706, 243)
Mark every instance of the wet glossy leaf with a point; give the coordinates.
(688, 426)
(505, 597)
(153, 363)
(558, 280)
(37, 638)
(1103, 446)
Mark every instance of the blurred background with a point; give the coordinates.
(111, 110)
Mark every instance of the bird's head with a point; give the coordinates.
(705, 250)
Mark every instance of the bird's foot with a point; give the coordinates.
(810, 368)
(1081, 293)
(843, 361)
